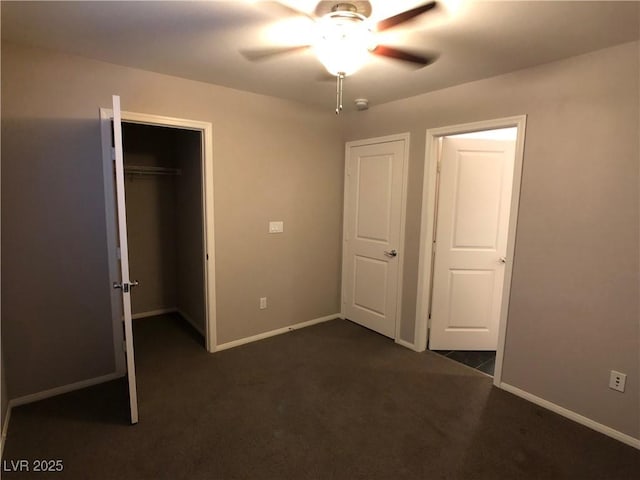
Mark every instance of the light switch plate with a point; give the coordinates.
(276, 227)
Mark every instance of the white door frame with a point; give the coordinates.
(405, 176)
(427, 226)
(208, 257)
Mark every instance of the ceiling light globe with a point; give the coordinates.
(343, 42)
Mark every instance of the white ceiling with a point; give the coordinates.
(203, 41)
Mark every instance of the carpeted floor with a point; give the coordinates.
(333, 401)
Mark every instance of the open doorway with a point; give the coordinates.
(163, 182)
(142, 168)
(470, 204)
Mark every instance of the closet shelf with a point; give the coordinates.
(143, 170)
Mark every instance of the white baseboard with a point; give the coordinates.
(153, 313)
(272, 333)
(164, 311)
(34, 397)
(191, 322)
(571, 415)
(5, 428)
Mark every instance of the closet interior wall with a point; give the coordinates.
(163, 185)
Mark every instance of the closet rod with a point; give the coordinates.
(144, 170)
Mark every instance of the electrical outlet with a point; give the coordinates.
(617, 380)
(263, 303)
(276, 227)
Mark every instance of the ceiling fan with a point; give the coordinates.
(346, 36)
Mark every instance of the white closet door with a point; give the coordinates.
(125, 283)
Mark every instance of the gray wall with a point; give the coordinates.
(151, 218)
(574, 298)
(189, 233)
(574, 305)
(273, 160)
(4, 397)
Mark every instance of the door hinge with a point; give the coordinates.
(113, 153)
(118, 253)
(439, 166)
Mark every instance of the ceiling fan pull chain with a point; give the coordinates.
(339, 79)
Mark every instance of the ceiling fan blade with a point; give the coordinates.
(398, 54)
(282, 7)
(404, 16)
(259, 54)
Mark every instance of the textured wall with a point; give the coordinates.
(574, 298)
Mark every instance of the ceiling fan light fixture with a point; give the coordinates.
(343, 42)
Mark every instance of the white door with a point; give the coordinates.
(125, 284)
(374, 187)
(472, 221)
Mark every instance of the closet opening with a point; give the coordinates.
(165, 225)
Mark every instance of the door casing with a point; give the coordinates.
(429, 190)
(206, 130)
(388, 138)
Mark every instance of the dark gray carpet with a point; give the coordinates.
(333, 401)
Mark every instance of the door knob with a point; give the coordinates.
(126, 286)
(391, 253)
(503, 259)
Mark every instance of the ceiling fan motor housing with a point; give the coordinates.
(355, 6)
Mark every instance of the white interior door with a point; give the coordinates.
(474, 200)
(125, 283)
(374, 187)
